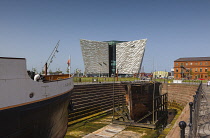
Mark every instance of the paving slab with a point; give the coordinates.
(106, 132)
(128, 134)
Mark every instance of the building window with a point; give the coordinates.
(182, 64)
(196, 76)
(177, 70)
(200, 63)
(176, 76)
(206, 76)
(186, 64)
(200, 69)
(177, 64)
(191, 63)
(196, 69)
(196, 63)
(206, 69)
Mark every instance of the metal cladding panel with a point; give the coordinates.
(129, 56)
(95, 56)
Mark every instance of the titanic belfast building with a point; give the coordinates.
(109, 57)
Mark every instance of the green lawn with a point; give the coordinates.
(111, 79)
(102, 79)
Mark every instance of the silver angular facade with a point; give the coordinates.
(129, 56)
(95, 56)
(126, 57)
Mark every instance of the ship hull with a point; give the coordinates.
(43, 119)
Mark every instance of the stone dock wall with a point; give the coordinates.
(180, 95)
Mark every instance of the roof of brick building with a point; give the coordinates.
(193, 59)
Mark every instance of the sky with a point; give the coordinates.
(173, 29)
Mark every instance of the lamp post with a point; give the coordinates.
(100, 69)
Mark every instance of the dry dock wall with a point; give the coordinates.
(180, 94)
(93, 98)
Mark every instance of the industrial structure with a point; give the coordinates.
(110, 57)
(192, 68)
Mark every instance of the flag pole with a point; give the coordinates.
(69, 66)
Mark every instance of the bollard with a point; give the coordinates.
(191, 106)
(182, 126)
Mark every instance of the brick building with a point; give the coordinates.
(192, 68)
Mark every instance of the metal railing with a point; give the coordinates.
(199, 116)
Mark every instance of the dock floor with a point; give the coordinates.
(103, 128)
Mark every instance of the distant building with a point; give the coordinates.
(160, 74)
(144, 75)
(172, 72)
(192, 68)
(109, 57)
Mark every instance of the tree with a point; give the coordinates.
(59, 71)
(34, 70)
(208, 73)
(191, 73)
(43, 71)
(67, 70)
(50, 71)
(77, 72)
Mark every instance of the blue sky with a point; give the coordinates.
(174, 29)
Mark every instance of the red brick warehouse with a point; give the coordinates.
(192, 68)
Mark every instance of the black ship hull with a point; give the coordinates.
(42, 119)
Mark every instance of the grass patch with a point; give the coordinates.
(102, 79)
(83, 128)
(111, 79)
(169, 126)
